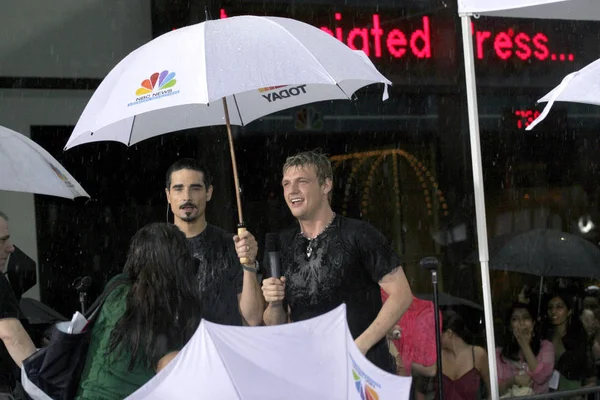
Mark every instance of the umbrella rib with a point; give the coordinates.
(342, 90)
(224, 365)
(131, 131)
(237, 107)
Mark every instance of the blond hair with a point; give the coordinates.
(315, 159)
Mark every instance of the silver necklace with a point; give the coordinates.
(310, 246)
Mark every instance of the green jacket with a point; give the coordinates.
(105, 375)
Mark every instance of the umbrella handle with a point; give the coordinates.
(243, 260)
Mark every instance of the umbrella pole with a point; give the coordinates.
(238, 196)
(539, 307)
(479, 200)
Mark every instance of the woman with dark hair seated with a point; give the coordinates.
(147, 319)
(526, 363)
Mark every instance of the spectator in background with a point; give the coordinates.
(464, 366)
(525, 364)
(573, 359)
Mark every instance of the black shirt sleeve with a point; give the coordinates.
(9, 306)
(376, 254)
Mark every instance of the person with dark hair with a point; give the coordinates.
(230, 291)
(525, 364)
(464, 366)
(573, 358)
(328, 259)
(145, 320)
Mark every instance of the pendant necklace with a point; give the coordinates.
(310, 246)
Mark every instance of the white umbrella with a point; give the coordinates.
(587, 10)
(312, 359)
(582, 86)
(193, 76)
(26, 167)
(552, 9)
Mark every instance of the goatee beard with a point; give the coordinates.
(189, 219)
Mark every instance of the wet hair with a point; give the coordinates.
(191, 164)
(315, 159)
(163, 307)
(3, 216)
(451, 320)
(511, 349)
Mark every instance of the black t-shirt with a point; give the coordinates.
(9, 308)
(220, 275)
(347, 261)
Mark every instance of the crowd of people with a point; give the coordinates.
(176, 274)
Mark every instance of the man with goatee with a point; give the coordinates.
(230, 291)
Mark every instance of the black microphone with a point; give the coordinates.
(272, 247)
(429, 263)
(82, 284)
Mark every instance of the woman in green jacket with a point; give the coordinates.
(146, 319)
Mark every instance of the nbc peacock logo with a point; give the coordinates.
(157, 86)
(366, 392)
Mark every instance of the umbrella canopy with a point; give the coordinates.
(547, 9)
(578, 87)
(194, 76)
(312, 359)
(26, 167)
(260, 65)
(544, 252)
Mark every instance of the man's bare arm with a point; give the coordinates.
(400, 298)
(275, 314)
(17, 341)
(251, 301)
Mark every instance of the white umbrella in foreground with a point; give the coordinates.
(227, 71)
(312, 359)
(26, 167)
(549, 9)
(582, 86)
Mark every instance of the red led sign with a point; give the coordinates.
(510, 44)
(379, 39)
(395, 41)
(525, 117)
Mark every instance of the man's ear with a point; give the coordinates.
(327, 186)
(209, 193)
(168, 193)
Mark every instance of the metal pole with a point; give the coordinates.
(479, 200)
(438, 339)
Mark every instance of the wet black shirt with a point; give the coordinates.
(347, 261)
(9, 308)
(220, 275)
